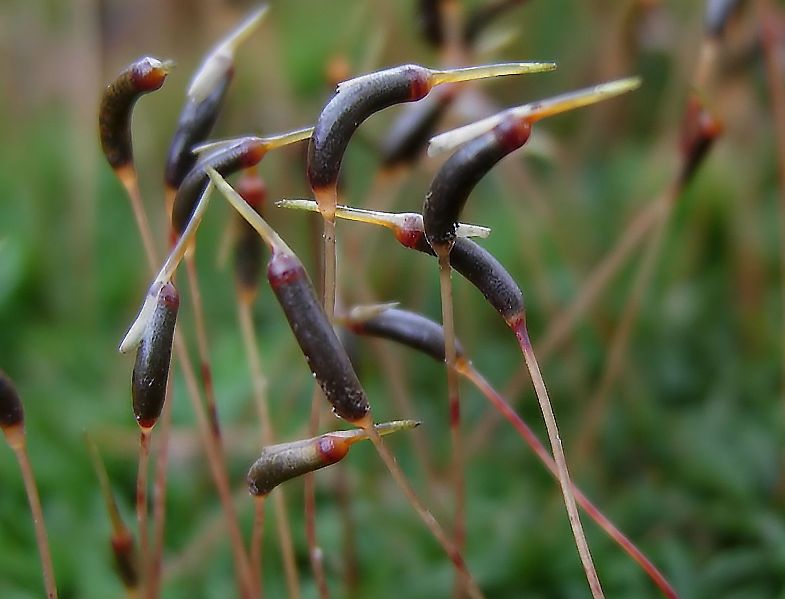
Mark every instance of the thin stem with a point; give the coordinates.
(768, 14)
(453, 395)
(217, 466)
(428, 519)
(500, 404)
(618, 350)
(268, 438)
(20, 449)
(141, 504)
(315, 554)
(159, 491)
(127, 176)
(558, 454)
(257, 534)
(202, 346)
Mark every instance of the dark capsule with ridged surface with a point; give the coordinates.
(459, 175)
(248, 247)
(196, 121)
(11, 410)
(409, 328)
(153, 356)
(324, 353)
(114, 114)
(478, 266)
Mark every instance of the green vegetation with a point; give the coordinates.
(687, 459)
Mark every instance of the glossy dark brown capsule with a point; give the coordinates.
(153, 356)
(196, 121)
(359, 99)
(409, 328)
(324, 353)
(478, 266)
(114, 115)
(460, 174)
(245, 153)
(11, 410)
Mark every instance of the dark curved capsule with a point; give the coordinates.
(196, 121)
(484, 15)
(285, 461)
(245, 153)
(348, 108)
(114, 115)
(461, 172)
(125, 559)
(409, 135)
(481, 269)
(409, 328)
(324, 353)
(11, 410)
(151, 370)
(249, 249)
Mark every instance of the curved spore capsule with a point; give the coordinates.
(196, 121)
(285, 461)
(249, 249)
(151, 370)
(478, 266)
(460, 174)
(408, 136)
(355, 101)
(11, 411)
(359, 98)
(323, 351)
(409, 328)
(114, 114)
(225, 157)
(245, 153)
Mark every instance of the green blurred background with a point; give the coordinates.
(688, 456)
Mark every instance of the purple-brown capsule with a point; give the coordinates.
(153, 356)
(359, 98)
(324, 353)
(460, 174)
(408, 328)
(196, 121)
(248, 249)
(430, 22)
(11, 411)
(114, 115)
(480, 268)
(409, 135)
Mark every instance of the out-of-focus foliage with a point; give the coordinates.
(688, 460)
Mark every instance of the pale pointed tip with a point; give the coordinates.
(533, 111)
(297, 204)
(220, 144)
(284, 139)
(368, 311)
(246, 27)
(168, 65)
(490, 70)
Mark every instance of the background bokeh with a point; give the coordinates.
(688, 455)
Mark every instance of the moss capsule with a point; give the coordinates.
(151, 370)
